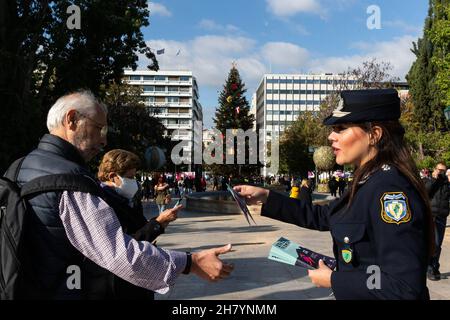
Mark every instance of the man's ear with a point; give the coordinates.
(70, 119)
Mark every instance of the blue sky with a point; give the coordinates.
(284, 36)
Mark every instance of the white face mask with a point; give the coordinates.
(128, 188)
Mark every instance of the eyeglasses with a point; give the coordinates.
(103, 128)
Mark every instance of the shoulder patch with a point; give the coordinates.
(395, 208)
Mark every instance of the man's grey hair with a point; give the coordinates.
(83, 101)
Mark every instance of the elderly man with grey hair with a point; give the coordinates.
(66, 227)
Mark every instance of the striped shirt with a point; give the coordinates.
(93, 229)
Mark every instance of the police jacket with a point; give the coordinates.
(47, 247)
(439, 193)
(380, 242)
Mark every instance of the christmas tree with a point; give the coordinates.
(233, 112)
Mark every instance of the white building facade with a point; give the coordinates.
(280, 98)
(174, 98)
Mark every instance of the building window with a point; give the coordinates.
(160, 78)
(135, 78)
(149, 88)
(160, 89)
(173, 99)
(173, 89)
(149, 78)
(184, 78)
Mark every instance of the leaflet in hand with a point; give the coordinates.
(286, 251)
(241, 203)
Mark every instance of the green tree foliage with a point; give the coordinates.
(429, 78)
(439, 35)
(424, 91)
(294, 155)
(42, 59)
(233, 112)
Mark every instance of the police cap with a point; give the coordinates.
(357, 106)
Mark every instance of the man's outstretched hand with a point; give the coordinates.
(207, 265)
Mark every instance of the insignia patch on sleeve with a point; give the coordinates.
(395, 208)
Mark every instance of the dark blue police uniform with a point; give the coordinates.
(380, 241)
(384, 227)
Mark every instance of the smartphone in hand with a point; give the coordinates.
(178, 202)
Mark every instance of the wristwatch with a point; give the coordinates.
(187, 269)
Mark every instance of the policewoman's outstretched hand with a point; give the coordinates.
(253, 195)
(321, 277)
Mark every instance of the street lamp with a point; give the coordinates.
(447, 113)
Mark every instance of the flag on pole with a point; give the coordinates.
(178, 52)
(160, 51)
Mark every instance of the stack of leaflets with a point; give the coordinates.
(286, 251)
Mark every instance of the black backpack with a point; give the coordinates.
(14, 214)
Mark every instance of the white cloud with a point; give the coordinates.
(396, 51)
(211, 25)
(158, 9)
(286, 8)
(209, 57)
(285, 54)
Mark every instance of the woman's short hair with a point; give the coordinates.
(117, 161)
(83, 101)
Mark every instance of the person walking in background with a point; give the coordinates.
(305, 193)
(162, 194)
(341, 186)
(333, 185)
(439, 193)
(295, 190)
(215, 183)
(146, 186)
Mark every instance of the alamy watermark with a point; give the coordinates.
(214, 153)
(74, 20)
(74, 279)
(374, 20)
(374, 280)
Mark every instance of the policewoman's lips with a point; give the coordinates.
(336, 150)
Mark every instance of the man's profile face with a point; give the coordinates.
(89, 137)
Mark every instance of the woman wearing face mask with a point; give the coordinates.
(116, 173)
(381, 227)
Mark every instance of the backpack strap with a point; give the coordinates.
(62, 182)
(13, 171)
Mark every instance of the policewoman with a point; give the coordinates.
(381, 227)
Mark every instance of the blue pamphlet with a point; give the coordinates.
(286, 251)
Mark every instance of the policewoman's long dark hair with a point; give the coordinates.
(392, 150)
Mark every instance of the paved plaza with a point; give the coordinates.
(255, 276)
